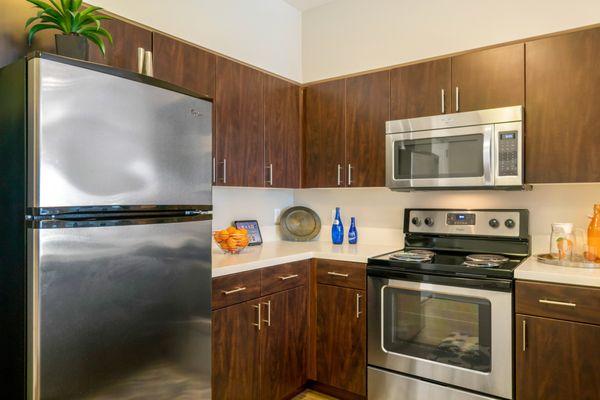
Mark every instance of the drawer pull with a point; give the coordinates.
(358, 312)
(337, 274)
(240, 289)
(259, 320)
(524, 338)
(285, 278)
(268, 320)
(557, 303)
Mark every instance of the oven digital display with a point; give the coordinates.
(460, 219)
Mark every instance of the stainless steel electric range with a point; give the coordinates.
(440, 311)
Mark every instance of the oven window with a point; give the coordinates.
(444, 328)
(444, 157)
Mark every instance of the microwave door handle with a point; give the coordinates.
(488, 156)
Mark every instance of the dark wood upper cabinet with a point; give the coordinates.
(558, 360)
(236, 352)
(341, 338)
(239, 121)
(283, 344)
(324, 137)
(563, 99)
(489, 78)
(184, 65)
(282, 133)
(127, 38)
(367, 110)
(421, 90)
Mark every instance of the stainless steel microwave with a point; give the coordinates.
(469, 150)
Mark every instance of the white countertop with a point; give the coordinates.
(533, 270)
(275, 253)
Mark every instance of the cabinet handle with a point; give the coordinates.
(557, 303)
(214, 170)
(443, 101)
(285, 278)
(140, 53)
(349, 174)
(224, 170)
(524, 338)
(236, 290)
(457, 99)
(259, 317)
(148, 64)
(270, 168)
(268, 320)
(337, 274)
(358, 312)
(339, 172)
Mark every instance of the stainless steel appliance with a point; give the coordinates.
(106, 200)
(479, 149)
(440, 310)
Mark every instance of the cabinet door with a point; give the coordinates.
(367, 110)
(123, 53)
(235, 352)
(421, 90)
(563, 94)
(558, 360)
(489, 78)
(239, 125)
(283, 344)
(184, 65)
(324, 138)
(282, 133)
(341, 338)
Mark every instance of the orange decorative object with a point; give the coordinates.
(593, 253)
(231, 240)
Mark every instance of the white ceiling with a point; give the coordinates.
(304, 5)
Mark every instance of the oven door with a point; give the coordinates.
(442, 158)
(454, 335)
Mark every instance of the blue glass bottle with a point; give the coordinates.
(337, 229)
(352, 233)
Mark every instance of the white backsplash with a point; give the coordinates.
(379, 211)
(232, 203)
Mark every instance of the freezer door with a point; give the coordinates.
(100, 139)
(120, 312)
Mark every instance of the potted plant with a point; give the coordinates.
(76, 24)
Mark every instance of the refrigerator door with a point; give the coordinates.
(120, 312)
(101, 139)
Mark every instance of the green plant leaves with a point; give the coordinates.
(68, 17)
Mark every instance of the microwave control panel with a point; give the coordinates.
(508, 153)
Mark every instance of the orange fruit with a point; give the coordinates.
(223, 235)
(231, 229)
(238, 232)
(244, 231)
(232, 243)
(244, 242)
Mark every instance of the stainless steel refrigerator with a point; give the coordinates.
(105, 268)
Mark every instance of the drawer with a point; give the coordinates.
(342, 273)
(283, 277)
(571, 303)
(235, 288)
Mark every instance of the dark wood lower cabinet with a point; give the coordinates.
(235, 352)
(341, 338)
(260, 354)
(556, 360)
(283, 344)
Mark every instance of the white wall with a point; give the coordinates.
(233, 204)
(383, 209)
(348, 36)
(263, 33)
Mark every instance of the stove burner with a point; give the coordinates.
(487, 258)
(413, 256)
(480, 264)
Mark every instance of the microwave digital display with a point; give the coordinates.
(506, 136)
(460, 219)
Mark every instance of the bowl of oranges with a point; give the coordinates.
(231, 240)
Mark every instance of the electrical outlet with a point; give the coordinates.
(276, 213)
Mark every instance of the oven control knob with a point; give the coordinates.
(416, 221)
(509, 223)
(494, 223)
(429, 221)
